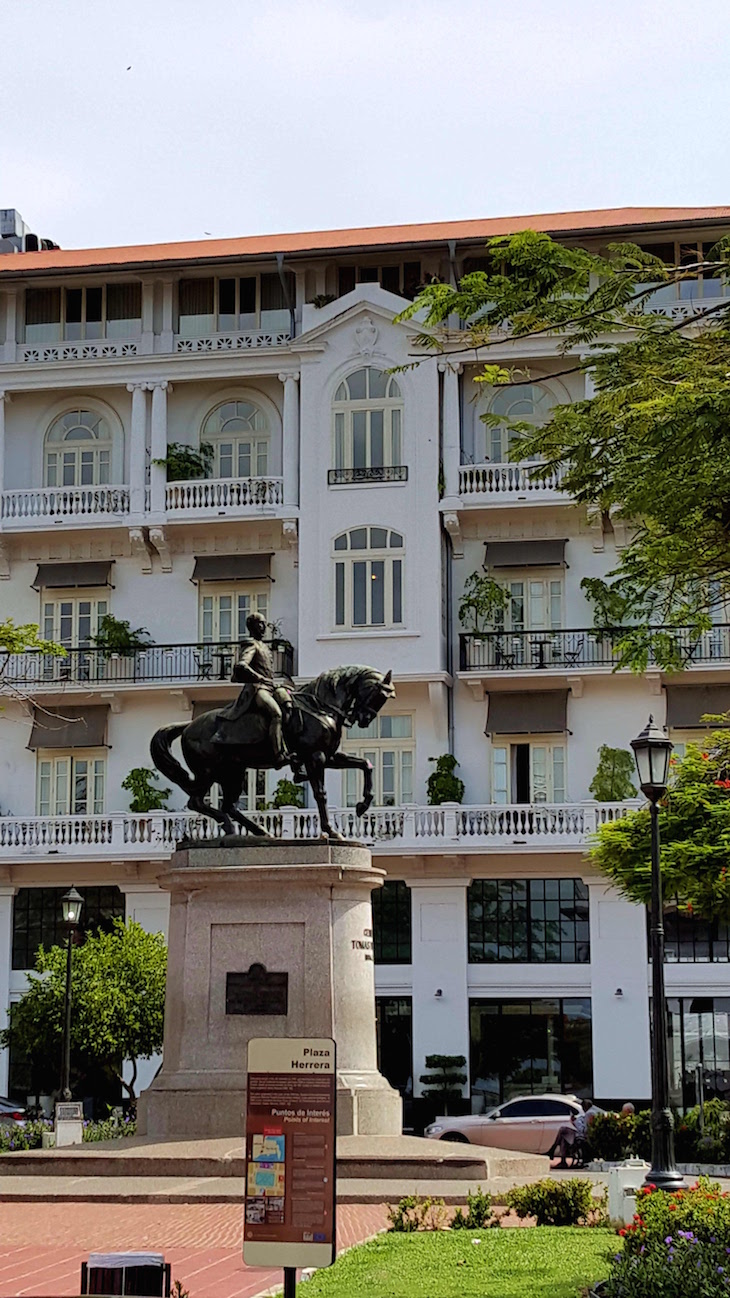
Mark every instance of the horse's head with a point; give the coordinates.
(371, 691)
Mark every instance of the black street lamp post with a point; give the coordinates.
(71, 904)
(652, 751)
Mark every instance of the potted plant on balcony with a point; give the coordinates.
(185, 463)
(145, 797)
(116, 638)
(442, 785)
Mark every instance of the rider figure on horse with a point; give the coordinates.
(260, 693)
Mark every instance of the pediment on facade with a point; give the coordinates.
(364, 300)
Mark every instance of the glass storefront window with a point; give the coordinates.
(529, 1047)
(699, 1036)
(393, 1024)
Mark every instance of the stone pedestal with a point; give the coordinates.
(296, 908)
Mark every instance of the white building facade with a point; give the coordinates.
(349, 503)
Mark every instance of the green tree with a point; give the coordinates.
(612, 780)
(650, 446)
(118, 998)
(694, 827)
(24, 638)
(482, 602)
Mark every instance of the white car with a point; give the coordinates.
(528, 1123)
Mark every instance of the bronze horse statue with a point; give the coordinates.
(313, 732)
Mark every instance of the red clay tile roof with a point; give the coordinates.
(321, 241)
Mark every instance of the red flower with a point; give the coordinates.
(622, 1232)
(672, 1207)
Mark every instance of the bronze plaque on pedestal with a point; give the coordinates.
(257, 992)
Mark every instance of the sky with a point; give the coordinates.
(140, 121)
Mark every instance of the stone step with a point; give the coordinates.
(365, 1158)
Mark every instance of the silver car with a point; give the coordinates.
(528, 1123)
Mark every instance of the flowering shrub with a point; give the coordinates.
(27, 1137)
(612, 1136)
(13, 1139)
(677, 1246)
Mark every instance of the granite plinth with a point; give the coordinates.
(299, 909)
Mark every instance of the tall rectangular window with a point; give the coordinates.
(223, 613)
(38, 918)
(392, 923)
(528, 921)
(70, 783)
(388, 745)
(394, 1036)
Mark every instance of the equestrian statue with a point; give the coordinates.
(269, 726)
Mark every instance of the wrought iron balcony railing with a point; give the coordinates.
(540, 650)
(351, 477)
(157, 662)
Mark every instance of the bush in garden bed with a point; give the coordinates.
(677, 1246)
(557, 1203)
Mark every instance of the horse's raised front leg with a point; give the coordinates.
(343, 762)
(315, 765)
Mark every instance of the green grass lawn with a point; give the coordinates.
(539, 1262)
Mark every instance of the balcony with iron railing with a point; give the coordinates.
(581, 650)
(199, 663)
(388, 830)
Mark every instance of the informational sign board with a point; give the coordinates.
(289, 1215)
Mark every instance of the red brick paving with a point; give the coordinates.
(42, 1245)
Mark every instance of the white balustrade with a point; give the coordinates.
(251, 340)
(511, 480)
(474, 828)
(26, 505)
(45, 353)
(215, 494)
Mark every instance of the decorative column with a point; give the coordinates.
(4, 396)
(11, 325)
(158, 445)
(290, 447)
(451, 429)
(137, 448)
(6, 946)
(147, 338)
(166, 334)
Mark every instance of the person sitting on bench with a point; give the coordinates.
(571, 1139)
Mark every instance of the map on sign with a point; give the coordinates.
(289, 1217)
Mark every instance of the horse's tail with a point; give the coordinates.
(163, 759)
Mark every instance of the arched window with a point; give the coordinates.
(78, 450)
(368, 578)
(239, 434)
(530, 403)
(368, 420)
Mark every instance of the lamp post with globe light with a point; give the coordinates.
(71, 904)
(652, 750)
